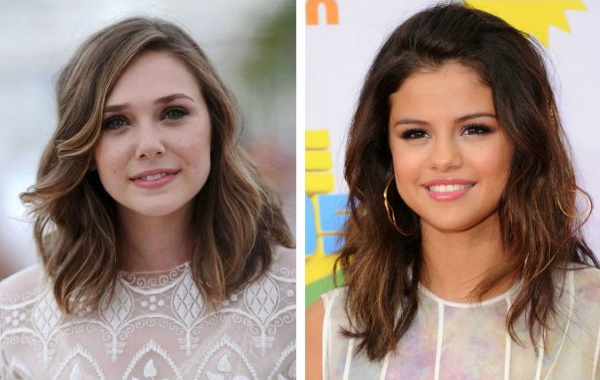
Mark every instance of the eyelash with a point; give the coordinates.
(119, 121)
(479, 128)
(475, 129)
(413, 134)
(111, 122)
(181, 112)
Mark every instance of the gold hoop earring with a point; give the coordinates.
(390, 212)
(581, 217)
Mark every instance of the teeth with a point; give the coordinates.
(153, 177)
(448, 188)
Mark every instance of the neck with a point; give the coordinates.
(456, 262)
(155, 243)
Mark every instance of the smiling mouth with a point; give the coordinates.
(153, 177)
(155, 180)
(448, 188)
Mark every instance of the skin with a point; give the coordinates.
(443, 127)
(155, 118)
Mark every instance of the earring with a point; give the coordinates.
(390, 211)
(582, 217)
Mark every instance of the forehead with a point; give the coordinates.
(152, 75)
(452, 88)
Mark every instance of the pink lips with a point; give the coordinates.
(448, 189)
(153, 179)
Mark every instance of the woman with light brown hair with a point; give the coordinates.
(165, 254)
(463, 255)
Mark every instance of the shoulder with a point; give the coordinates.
(586, 284)
(333, 304)
(581, 298)
(583, 318)
(334, 297)
(284, 263)
(22, 285)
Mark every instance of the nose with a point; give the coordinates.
(445, 154)
(149, 143)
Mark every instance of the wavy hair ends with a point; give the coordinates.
(540, 224)
(237, 220)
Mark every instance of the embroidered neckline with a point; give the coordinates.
(162, 271)
(154, 279)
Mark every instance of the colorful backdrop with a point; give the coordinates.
(342, 38)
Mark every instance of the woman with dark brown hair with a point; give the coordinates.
(463, 256)
(164, 252)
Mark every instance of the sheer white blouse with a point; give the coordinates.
(449, 340)
(156, 327)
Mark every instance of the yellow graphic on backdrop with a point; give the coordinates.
(319, 180)
(532, 16)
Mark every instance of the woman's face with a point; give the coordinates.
(451, 157)
(154, 153)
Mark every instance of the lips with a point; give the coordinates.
(154, 179)
(153, 175)
(448, 189)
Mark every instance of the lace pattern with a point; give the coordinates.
(156, 327)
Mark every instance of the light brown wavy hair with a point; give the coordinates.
(237, 218)
(539, 218)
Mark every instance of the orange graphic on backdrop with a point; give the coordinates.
(332, 16)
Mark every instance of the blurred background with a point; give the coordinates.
(251, 44)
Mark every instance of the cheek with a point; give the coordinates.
(408, 168)
(407, 165)
(196, 150)
(108, 160)
(495, 165)
(102, 158)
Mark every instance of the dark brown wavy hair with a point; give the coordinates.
(237, 219)
(539, 217)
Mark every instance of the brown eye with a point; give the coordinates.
(476, 130)
(414, 134)
(114, 122)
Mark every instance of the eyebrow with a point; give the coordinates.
(457, 120)
(164, 100)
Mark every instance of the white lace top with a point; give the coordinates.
(156, 327)
(457, 341)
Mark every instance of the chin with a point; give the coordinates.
(458, 225)
(157, 209)
(452, 225)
